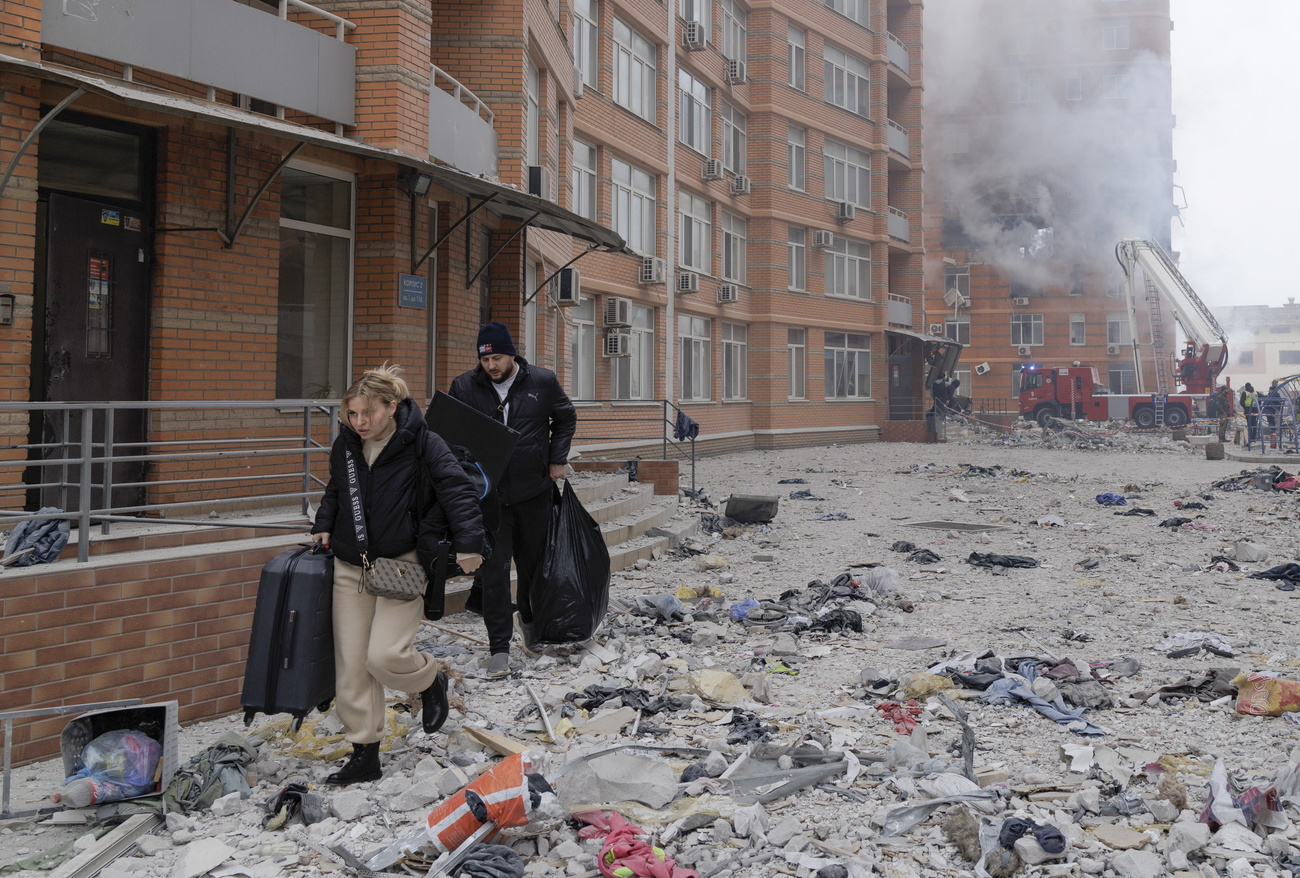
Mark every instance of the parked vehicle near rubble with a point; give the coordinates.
(1076, 391)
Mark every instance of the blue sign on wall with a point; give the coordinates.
(412, 291)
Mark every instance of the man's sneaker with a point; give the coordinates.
(525, 632)
(498, 665)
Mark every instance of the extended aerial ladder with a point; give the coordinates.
(1207, 351)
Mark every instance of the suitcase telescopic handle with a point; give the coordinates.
(288, 638)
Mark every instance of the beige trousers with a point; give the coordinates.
(373, 649)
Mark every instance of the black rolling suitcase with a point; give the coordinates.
(291, 646)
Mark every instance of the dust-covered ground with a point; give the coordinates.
(1124, 785)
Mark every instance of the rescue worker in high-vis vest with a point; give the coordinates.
(1250, 407)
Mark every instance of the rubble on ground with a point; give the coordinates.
(936, 660)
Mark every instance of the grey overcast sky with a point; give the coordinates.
(1235, 69)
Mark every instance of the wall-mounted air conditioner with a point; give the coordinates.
(570, 287)
(847, 211)
(740, 185)
(713, 169)
(652, 270)
(983, 369)
(1024, 350)
(1112, 349)
(618, 343)
(728, 293)
(693, 36)
(688, 282)
(735, 70)
(618, 311)
(539, 181)
(823, 238)
(1020, 300)
(936, 329)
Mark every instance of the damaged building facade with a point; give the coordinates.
(1050, 140)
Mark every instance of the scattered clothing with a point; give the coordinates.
(923, 556)
(804, 495)
(903, 717)
(1287, 576)
(989, 559)
(626, 849)
(685, 427)
(1112, 500)
(1174, 522)
(1137, 510)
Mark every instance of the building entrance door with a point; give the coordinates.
(902, 400)
(96, 344)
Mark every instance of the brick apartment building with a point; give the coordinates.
(763, 162)
(1049, 138)
(1265, 343)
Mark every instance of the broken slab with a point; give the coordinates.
(618, 777)
(1121, 838)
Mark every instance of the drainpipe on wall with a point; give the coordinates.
(670, 196)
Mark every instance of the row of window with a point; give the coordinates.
(636, 59)
(633, 195)
(846, 356)
(1028, 89)
(1027, 329)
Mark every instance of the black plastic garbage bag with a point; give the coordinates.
(571, 593)
(45, 537)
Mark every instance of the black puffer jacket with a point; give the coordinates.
(542, 413)
(387, 492)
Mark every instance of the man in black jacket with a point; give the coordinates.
(529, 399)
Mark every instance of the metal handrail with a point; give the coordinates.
(340, 24)
(82, 453)
(631, 427)
(460, 92)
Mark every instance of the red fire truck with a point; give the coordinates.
(1076, 391)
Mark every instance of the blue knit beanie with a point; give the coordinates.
(494, 338)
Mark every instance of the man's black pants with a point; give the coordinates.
(521, 536)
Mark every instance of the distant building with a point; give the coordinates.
(1263, 342)
(1049, 139)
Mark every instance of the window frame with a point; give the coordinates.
(1079, 322)
(584, 179)
(796, 58)
(533, 113)
(839, 349)
(584, 336)
(1030, 323)
(695, 100)
(639, 366)
(1115, 36)
(735, 247)
(848, 253)
(694, 232)
(842, 173)
(642, 204)
(957, 327)
(733, 28)
(695, 346)
(702, 9)
(856, 11)
(796, 347)
(796, 265)
(796, 158)
(734, 338)
(586, 40)
(344, 369)
(844, 86)
(735, 138)
(636, 72)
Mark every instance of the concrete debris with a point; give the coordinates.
(729, 707)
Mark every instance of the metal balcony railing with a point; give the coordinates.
(341, 25)
(630, 422)
(899, 140)
(899, 311)
(201, 456)
(897, 53)
(900, 226)
(461, 126)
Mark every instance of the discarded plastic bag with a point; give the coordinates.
(117, 765)
(1262, 695)
(571, 594)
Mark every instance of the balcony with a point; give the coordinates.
(900, 311)
(898, 140)
(221, 45)
(897, 54)
(461, 132)
(900, 226)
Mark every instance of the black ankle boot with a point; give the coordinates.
(361, 767)
(433, 704)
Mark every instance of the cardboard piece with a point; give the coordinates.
(490, 441)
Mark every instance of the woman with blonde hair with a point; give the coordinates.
(384, 466)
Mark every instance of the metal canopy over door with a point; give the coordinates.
(96, 336)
